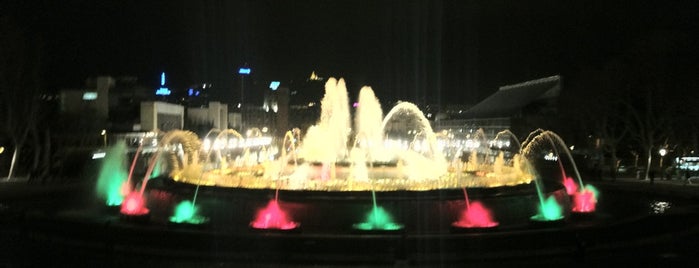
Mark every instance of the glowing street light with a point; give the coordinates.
(104, 136)
(243, 71)
(662, 152)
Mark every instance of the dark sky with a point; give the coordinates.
(448, 51)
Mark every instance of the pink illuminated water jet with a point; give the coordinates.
(273, 217)
(475, 215)
(584, 201)
(570, 185)
(134, 205)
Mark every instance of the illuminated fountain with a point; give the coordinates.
(334, 157)
(384, 189)
(114, 183)
(378, 160)
(389, 157)
(272, 216)
(184, 153)
(584, 197)
(475, 215)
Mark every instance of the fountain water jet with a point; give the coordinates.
(390, 162)
(549, 208)
(378, 219)
(326, 141)
(474, 215)
(135, 202)
(273, 217)
(584, 196)
(419, 166)
(112, 175)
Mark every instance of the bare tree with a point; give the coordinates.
(19, 69)
(655, 85)
(593, 107)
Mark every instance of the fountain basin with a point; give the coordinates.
(624, 224)
(431, 211)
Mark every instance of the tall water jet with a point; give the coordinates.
(127, 186)
(407, 156)
(367, 125)
(113, 175)
(326, 141)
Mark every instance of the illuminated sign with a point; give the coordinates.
(274, 85)
(550, 157)
(89, 95)
(163, 91)
(244, 71)
(192, 92)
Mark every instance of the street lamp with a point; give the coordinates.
(662, 152)
(243, 71)
(104, 137)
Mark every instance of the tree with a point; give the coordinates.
(653, 74)
(596, 116)
(19, 88)
(646, 96)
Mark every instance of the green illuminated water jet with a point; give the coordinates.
(186, 212)
(549, 210)
(112, 175)
(378, 219)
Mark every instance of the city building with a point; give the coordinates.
(156, 115)
(521, 108)
(214, 115)
(93, 98)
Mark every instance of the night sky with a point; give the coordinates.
(422, 51)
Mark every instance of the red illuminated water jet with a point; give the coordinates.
(134, 205)
(475, 215)
(273, 217)
(584, 201)
(570, 185)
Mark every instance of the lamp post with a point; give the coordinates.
(662, 152)
(104, 137)
(243, 71)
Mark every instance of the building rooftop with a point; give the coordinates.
(510, 99)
